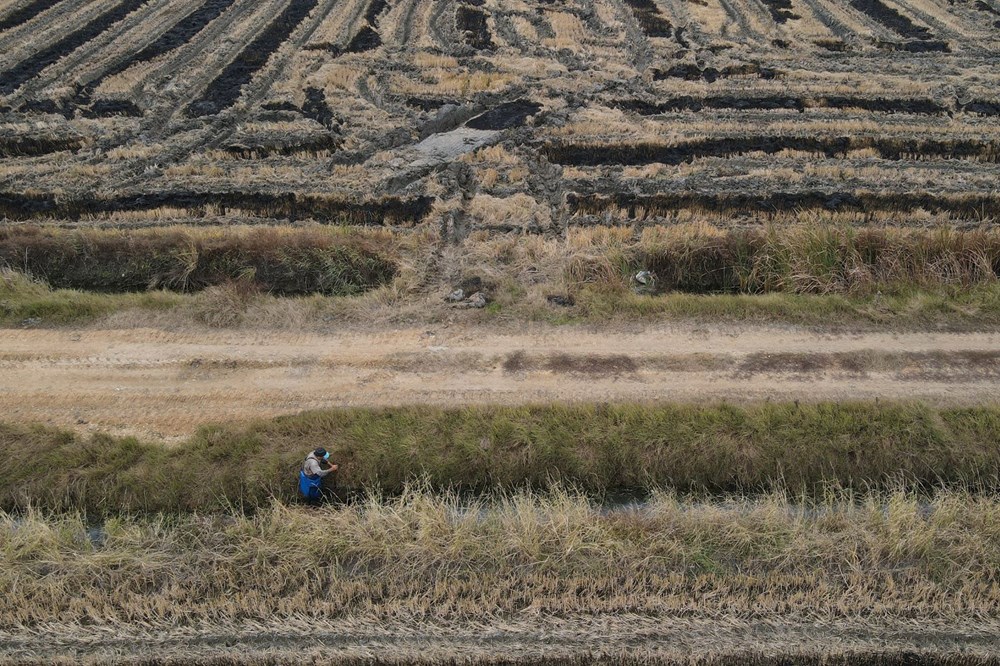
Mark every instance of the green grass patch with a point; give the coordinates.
(942, 309)
(23, 301)
(599, 448)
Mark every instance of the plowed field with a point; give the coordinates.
(550, 114)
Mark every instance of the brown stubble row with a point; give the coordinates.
(427, 560)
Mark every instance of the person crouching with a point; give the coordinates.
(316, 466)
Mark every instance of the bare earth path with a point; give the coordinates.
(164, 384)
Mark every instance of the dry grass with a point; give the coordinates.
(452, 559)
(801, 259)
(286, 261)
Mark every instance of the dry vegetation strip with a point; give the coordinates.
(931, 561)
(814, 275)
(599, 448)
(802, 259)
(691, 259)
(283, 261)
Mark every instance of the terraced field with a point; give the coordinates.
(501, 114)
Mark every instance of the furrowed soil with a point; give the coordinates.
(163, 385)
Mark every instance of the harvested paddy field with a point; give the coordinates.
(499, 115)
(644, 331)
(517, 579)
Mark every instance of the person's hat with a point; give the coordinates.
(321, 453)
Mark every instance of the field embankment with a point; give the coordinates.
(599, 448)
(822, 275)
(536, 575)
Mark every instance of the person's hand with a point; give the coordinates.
(333, 468)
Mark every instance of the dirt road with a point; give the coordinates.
(163, 384)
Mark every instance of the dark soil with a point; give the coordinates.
(281, 106)
(972, 206)
(931, 46)
(936, 365)
(772, 102)
(28, 146)
(781, 10)
(692, 72)
(575, 364)
(248, 151)
(367, 39)
(471, 23)
(984, 7)
(892, 19)
(316, 107)
(505, 116)
(982, 108)
(26, 13)
(386, 211)
(28, 69)
(592, 364)
(681, 39)
(261, 150)
(428, 104)
(105, 108)
(890, 148)
(226, 89)
(650, 19)
(47, 106)
(375, 8)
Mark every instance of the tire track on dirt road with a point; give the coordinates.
(164, 385)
